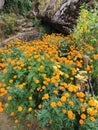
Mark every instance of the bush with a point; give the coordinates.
(39, 78)
(7, 24)
(17, 6)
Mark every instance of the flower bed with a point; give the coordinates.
(39, 78)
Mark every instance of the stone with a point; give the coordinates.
(29, 24)
(2, 3)
(61, 14)
(25, 36)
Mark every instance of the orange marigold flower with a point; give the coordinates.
(12, 114)
(46, 96)
(92, 119)
(16, 121)
(59, 104)
(64, 111)
(83, 116)
(53, 104)
(92, 102)
(9, 98)
(1, 109)
(71, 115)
(81, 122)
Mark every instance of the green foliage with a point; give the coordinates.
(87, 27)
(7, 24)
(18, 6)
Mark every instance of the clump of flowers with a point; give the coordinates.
(37, 78)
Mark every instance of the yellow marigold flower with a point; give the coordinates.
(1, 109)
(71, 115)
(37, 81)
(92, 119)
(63, 99)
(53, 104)
(55, 92)
(83, 116)
(64, 111)
(67, 95)
(66, 75)
(30, 98)
(20, 108)
(71, 102)
(30, 109)
(46, 96)
(81, 122)
(12, 114)
(9, 98)
(16, 121)
(4, 71)
(59, 103)
(43, 87)
(15, 76)
(41, 67)
(91, 111)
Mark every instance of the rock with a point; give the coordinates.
(29, 24)
(61, 14)
(25, 36)
(20, 21)
(26, 29)
(2, 3)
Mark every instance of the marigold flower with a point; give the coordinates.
(71, 115)
(46, 96)
(10, 81)
(63, 99)
(55, 92)
(83, 116)
(12, 114)
(30, 109)
(6, 105)
(1, 109)
(9, 98)
(40, 106)
(64, 111)
(16, 121)
(67, 95)
(53, 104)
(59, 104)
(37, 81)
(30, 98)
(71, 102)
(92, 119)
(81, 122)
(20, 108)
(92, 102)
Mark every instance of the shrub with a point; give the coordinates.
(87, 27)
(17, 6)
(7, 24)
(39, 78)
